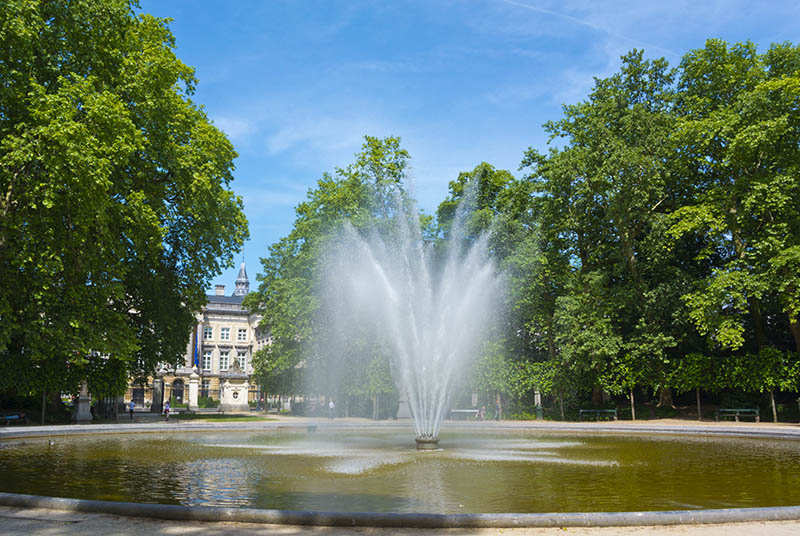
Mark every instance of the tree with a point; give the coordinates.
(482, 189)
(363, 194)
(601, 203)
(739, 135)
(115, 207)
(695, 371)
(766, 372)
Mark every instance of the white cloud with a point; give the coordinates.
(237, 129)
(260, 198)
(617, 26)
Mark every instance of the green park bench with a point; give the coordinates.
(597, 413)
(8, 417)
(736, 413)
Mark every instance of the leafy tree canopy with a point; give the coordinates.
(115, 200)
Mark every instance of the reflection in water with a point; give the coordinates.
(511, 471)
(220, 481)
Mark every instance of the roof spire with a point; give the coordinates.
(242, 283)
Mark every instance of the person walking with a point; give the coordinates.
(166, 409)
(130, 408)
(331, 407)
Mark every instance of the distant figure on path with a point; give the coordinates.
(166, 409)
(482, 414)
(130, 408)
(331, 406)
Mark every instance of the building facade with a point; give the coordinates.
(217, 368)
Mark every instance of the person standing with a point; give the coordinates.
(331, 407)
(130, 408)
(166, 409)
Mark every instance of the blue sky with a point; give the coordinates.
(297, 84)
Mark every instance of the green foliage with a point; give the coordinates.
(207, 402)
(769, 370)
(694, 371)
(363, 195)
(115, 207)
(739, 137)
(173, 404)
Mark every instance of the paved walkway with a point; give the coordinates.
(15, 521)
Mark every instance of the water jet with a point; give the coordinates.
(427, 309)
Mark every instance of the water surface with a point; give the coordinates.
(379, 471)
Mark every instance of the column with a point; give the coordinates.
(158, 395)
(194, 388)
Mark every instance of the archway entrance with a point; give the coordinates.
(177, 391)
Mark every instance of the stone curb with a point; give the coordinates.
(707, 429)
(417, 521)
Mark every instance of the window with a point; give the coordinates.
(207, 360)
(205, 387)
(242, 336)
(223, 362)
(208, 333)
(242, 358)
(225, 334)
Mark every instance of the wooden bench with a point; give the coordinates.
(456, 413)
(597, 413)
(736, 412)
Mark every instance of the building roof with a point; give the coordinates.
(242, 283)
(213, 298)
(242, 274)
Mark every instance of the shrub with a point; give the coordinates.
(207, 402)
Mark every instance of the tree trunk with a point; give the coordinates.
(774, 409)
(699, 415)
(665, 398)
(561, 405)
(794, 327)
(44, 403)
(758, 321)
(597, 395)
(551, 343)
(633, 409)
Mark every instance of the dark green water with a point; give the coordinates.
(378, 470)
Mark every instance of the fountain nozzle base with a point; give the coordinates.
(427, 443)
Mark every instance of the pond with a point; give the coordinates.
(379, 470)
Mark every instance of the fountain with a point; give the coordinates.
(428, 308)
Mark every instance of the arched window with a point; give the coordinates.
(177, 391)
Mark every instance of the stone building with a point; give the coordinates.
(217, 364)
